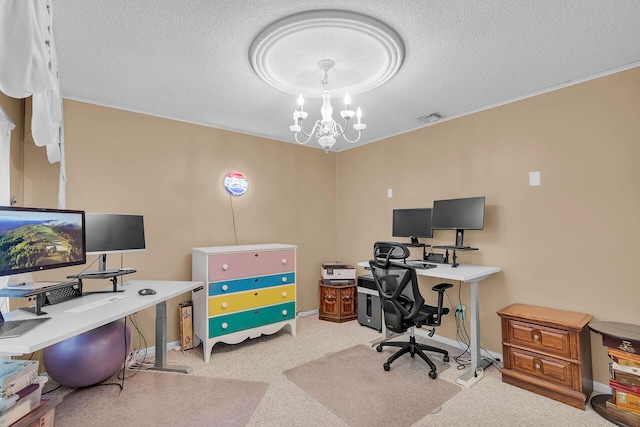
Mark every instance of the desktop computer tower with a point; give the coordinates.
(369, 305)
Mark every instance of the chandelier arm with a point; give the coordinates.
(343, 132)
(344, 135)
(308, 135)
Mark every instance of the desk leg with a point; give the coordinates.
(161, 343)
(473, 375)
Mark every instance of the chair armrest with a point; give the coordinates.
(441, 287)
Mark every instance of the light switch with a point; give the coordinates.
(390, 192)
(534, 179)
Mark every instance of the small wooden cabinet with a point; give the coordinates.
(547, 351)
(337, 302)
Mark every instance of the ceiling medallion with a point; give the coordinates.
(367, 52)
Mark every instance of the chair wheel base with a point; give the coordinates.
(433, 375)
(386, 367)
(446, 358)
(379, 348)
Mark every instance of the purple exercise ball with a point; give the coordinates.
(88, 358)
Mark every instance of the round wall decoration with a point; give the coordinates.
(236, 184)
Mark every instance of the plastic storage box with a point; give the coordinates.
(13, 409)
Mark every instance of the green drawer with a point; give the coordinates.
(235, 322)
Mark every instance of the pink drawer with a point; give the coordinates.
(248, 264)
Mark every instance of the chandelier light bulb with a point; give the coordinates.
(359, 114)
(300, 101)
(347, 100)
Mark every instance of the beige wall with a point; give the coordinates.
(171, 172)
(569, 244)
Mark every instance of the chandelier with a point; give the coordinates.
(326, 129)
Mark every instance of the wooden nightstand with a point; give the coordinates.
(548, 352)
(337, 302)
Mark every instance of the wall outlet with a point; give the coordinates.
(461, 312)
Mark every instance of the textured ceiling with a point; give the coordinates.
(189, 60)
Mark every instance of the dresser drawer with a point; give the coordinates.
(223, 304)
(556, 341)
(249, 283)
(234, 322)
(555, 370)
(246, 264)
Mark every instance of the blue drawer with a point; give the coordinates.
(246, 284)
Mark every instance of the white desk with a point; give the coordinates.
(62, 326)
(471, 274)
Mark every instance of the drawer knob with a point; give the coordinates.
(284, 294)
(225, 305)
(284, 312)
(225, 267)
(284, 280)
(284, 261)
(225, 287)
(536, 337)
(225, 325)
(537, 366)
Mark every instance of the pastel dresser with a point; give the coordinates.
(250, 290)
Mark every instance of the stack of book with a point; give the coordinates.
(625, 381)
(20, 389)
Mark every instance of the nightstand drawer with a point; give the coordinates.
(555, 370)
(533, 336)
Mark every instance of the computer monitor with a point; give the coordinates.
(113, 233)
(458, 214)
(35, 239)
(413, 223)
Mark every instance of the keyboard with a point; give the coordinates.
(17, 328)
(95, 304)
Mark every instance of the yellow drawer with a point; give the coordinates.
(240, 301)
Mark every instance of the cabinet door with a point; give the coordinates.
(329, 301)
(348, 301)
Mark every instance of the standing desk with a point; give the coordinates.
(62, 326)
(472, 274)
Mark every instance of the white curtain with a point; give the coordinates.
(30, 68)
(6, 126)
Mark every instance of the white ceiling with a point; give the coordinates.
(189, 60)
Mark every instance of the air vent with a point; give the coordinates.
(431, 118)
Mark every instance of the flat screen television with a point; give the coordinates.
(35, 239)
(114, 233)
(458, 214)
(413, 223)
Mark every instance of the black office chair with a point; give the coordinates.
(403, 305)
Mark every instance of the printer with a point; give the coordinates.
(337, 273)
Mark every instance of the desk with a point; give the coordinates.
(62, 326)
(472, 274)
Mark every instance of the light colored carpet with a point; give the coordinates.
(353, 385)
(488, 403)
(163, 399)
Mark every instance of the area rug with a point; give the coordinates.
(354, 386)
(163, 399)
